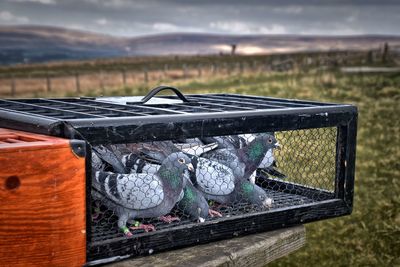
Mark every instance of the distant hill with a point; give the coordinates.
(34, 44)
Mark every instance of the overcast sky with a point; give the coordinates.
(141, 17)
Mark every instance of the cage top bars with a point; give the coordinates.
(57, 116)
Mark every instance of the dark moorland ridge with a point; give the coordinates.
(34, 44)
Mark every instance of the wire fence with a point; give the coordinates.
(100, 80)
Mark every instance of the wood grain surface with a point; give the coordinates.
(253, 250)
(42, 211)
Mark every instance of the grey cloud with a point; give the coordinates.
(139, 17)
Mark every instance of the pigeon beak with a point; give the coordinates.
(278, 146)
(190, 167)
(201, 220)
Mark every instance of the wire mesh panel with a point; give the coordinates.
(207, 179)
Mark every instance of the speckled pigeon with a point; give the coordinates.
(191, 202)
(142, 195)
(244, 161)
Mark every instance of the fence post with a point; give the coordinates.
(184, 70)
(165, 70)
(48, 82)
(199, 71)
(146, 75)
(123, 73)
(103, 89)
(229, 68)
(77, 83)
(13, 87)
(214, 68)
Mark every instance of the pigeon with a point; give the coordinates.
(245, 191)
(142, 195)
(209, 177)
(244, 161)
(190, 202)
(266, 168)
(195, 205)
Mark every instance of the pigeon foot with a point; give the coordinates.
(145, 227)
(214, 213)
(168, 219)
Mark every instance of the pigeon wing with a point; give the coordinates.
(132, 191)
(214, 178)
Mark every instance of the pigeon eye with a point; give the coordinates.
(181, 160)
(270, 140)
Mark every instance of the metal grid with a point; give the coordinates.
(284, 175)
(92, 108)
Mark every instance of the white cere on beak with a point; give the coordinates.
(201, 220)
(268, 202)
(190, 167)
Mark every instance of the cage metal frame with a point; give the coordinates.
(173, 126)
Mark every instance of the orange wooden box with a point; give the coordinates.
(42, 196)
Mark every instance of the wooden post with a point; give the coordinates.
(102, 87)
(77, 83)
(165, 70)
(229, 68)
(184, 71)
(254, 65)
(146, 75)
(123, 73)
(214, 69)
(13, 87)
(48, 82)
(199, 73)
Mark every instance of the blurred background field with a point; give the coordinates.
(371, 235)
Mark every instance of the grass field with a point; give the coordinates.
(371, 235)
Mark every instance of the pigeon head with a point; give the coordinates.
(179, 162)
(257, 148)
(268, 140)
(255, 195)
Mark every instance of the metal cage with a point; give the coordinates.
(314, 176)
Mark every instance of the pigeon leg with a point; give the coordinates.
(214, 213)
(145, 227)
(216, 206)
(122, 225)
(168, 219)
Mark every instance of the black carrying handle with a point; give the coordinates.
(162, 88)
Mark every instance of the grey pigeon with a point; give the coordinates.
(268, 166)
(142, 195)
(244, 161)
(194, 204)
(191, 201)
(244, 191)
